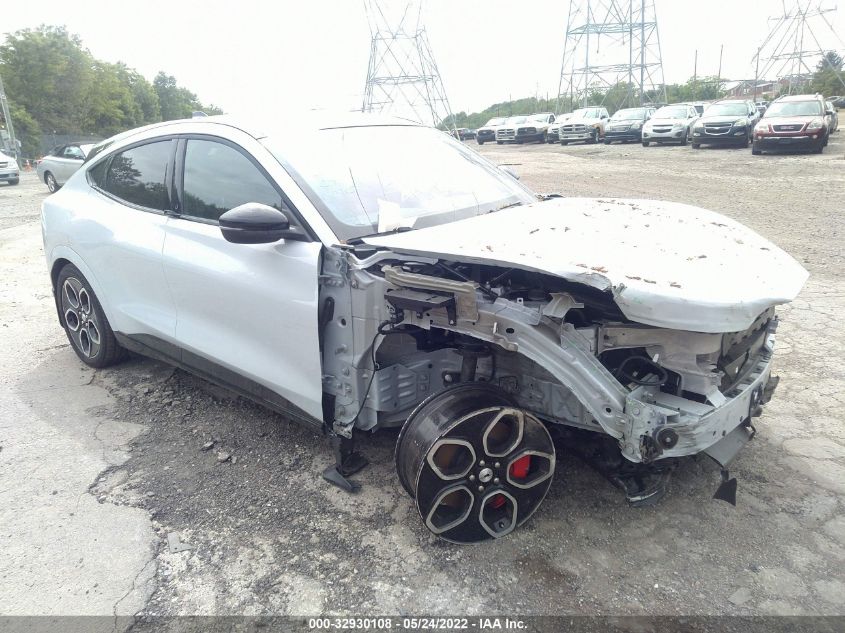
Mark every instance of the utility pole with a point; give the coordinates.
(9, 125)
(756, 74)
(719, 74)
(624, 36)
(695, 75)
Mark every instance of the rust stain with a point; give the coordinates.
(599, 269)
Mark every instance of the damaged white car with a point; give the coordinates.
(373, 274)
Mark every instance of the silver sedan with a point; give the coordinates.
(60, 164)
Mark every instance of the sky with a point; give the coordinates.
(268, 59)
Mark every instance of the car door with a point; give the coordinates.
(121, 237)
(249, 309)
(67, 162)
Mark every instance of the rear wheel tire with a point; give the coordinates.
(595, 137)
(14, 181)
(564, 142)
(500, 142)
(477, 466)
(755, 151)
(84, 321)
(696, 145)
(50, 181)
(480, 142)
(645, 143)
(684, 138)
(606, 142)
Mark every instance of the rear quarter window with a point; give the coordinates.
(139, 175)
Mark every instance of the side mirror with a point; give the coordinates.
(253, 223)
(829, 112)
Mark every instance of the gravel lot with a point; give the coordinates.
(117, 456)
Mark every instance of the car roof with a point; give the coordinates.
(311, 121)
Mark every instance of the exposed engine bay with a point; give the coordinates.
(563, 350)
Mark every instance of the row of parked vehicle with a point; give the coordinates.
(795, 122)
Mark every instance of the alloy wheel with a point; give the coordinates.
(80, 317)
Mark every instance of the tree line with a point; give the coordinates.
(54, 85)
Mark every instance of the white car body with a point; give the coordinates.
(671, 123)
(61, 163)
(9, 171)
(540, 298)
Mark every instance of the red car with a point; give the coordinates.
(793, 122)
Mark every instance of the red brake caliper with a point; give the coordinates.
(519, 470)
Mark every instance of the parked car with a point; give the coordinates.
(488, 131)
(627, 125)
(463, 133)
(523, 129)
(838, 102)
(726, 122)
(434, 293)
(671, 123)
(832, 117)
(536, 128)
(793, 122)
(552, 135)
(9, 171)
(61, 163)
(585, 124)
(700, 106)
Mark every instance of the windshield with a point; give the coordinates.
(629, 114)
(496, 121)
(672, 112)
(727, 109)
(586, 113)
(541, 118)
(517, 119)
(367, 180)
(794, 108)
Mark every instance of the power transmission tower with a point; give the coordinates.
(402, 77)
(793, 48)
(611, 43)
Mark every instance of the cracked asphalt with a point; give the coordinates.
(97, 468)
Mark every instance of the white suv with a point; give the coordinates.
(312, 271)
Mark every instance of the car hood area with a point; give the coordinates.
(666, 264)
(654, 121)
(799, 121)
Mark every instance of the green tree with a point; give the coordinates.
(829, 78)
(49, 75)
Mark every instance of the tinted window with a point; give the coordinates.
(218, 178)
(138, 175)
(97, 174)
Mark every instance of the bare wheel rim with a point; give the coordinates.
(51, 182)
(483, 474)
(82, 323)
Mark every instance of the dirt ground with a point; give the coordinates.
(266, 535)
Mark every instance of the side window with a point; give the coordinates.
(139, 175)
(97, 174)
(218, 178)
(73, 152)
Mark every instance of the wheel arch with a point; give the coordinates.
(60, 257)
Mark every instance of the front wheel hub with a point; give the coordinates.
(477, 466)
